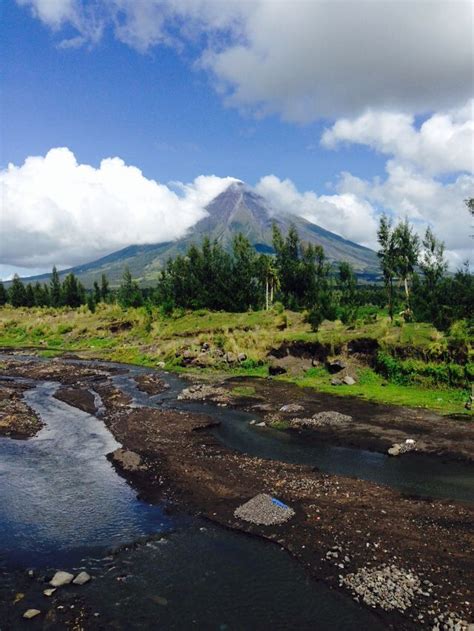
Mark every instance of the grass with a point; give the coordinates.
(125, 336)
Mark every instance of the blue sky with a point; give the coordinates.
(299, 99)
(153, 110)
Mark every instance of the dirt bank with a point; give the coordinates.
(17, 419)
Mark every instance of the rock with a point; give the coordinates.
(160, 364)
(336, 382)
(82, 578)
(262, 424)
(252, 422)
(241, 357)
(230, 358)
(275, 369)
(394, 450)
(128, 460)
(263, 509)
(321, 419)
(61, 578)
(31, 613)
(348, 380)
(50, 591)
(335, 366)
(292, 407)
(205, 346)
(315, 362)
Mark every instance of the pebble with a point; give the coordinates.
(31, 613)
(61, 578)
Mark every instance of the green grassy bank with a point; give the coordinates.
(415, 366)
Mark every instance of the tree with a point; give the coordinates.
(104, 288)
(55, 289)
(387, 257)
(73, 294)
(427, 296)
(407, 248)
(17, 293)
(97, 293)
(41, 293)
(129, 294)
(269, 276)
(347, 286)
(3, 294)
(29, 296)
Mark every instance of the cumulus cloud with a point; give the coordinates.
(444, 143)
(346, 214)
(354, 210)
(301, 59)
(57, 211)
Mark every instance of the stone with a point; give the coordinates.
(394, 450)
(82, 578)
(241, 357)
(61, 578)
(50, 591)
(336, 382)
(335, 366)
(31, 613)
(230, 358)
(275, 369)
(128, 460)
(262, 424)
(348, 380)
(292, 407)
(160, 364)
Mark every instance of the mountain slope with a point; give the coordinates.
(237, 209)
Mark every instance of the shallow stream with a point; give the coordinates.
(62, 505)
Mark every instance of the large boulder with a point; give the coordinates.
(82, 578)
(292, 407)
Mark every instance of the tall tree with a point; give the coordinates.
(55, 289)
(129, 294)
(387, 257)
(3, 294)
(347, 286)
(72, 292)
(29, 296)
(104, 288)
(96, 293)
(407, 249)
(17, 293)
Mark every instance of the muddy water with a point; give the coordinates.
(62, 505)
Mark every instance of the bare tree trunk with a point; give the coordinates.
(266, 294)
(271, 292)
(407, 292)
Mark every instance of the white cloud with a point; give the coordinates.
(424, 200)
(302, 59)
(443, 144)
(56, 211)
(345, 214)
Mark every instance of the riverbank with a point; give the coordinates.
(408, 364)
(17, 419)
(404, 557)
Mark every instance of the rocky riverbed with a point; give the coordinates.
(406, 558)
(351, 421)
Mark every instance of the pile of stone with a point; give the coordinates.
(321, 419)
(201, 391)
(60, 579)
(387, 586)
(264, 510)
(402, 448)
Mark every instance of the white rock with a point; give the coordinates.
(262, 424)
(82, 578)
(61, 578)
(31, 613)
(50, 591)
(349, 381)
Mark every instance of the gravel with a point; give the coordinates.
(322, 419)
(264, 510)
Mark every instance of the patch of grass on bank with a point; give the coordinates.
(373, 387)
(129, 336)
